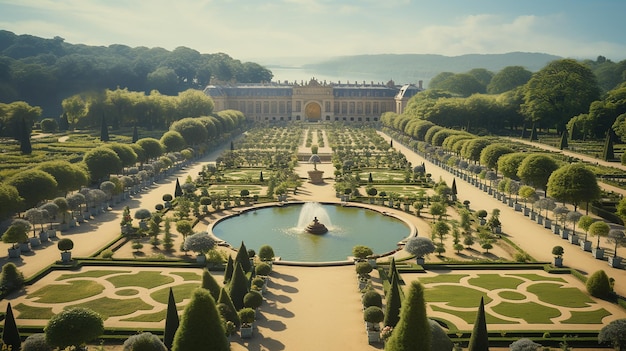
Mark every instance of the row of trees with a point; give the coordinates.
(43, 71)
(565, 91)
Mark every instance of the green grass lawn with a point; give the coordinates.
(108, 307)
(146, 280)
(71, 291)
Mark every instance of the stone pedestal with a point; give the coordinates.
(316, 177)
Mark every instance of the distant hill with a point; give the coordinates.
(415, 67)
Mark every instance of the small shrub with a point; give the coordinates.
(521, 257)
(363, 269)
(108, 253)
(373, 314)
(11, 279)
(65, 244)
(247, 315)
(36, 342)
(263, 269)
(361, 252)
(598, 285)
(372, 298)
(144, 341)
(266, 253)
(253, 299)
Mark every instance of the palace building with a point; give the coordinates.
(313, 101)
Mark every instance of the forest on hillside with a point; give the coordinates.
(43, 72)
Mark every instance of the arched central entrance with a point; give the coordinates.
(313, 112)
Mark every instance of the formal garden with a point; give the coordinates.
(161, 253)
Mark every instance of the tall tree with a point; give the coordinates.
(209, 283)
(536, 169)
(34, 186)
(135, 134)
(479, 341)
(178, 191)
(25, 146)
(243, 259)
(413, 329)
(393, 303)
(227, 308)
(200, 326)
(171, 321)
(574, 184)
(559, 91)
(238, 286)
(104, 130)
(563, 142)
(608, 153)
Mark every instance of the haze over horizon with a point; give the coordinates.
(307, 31)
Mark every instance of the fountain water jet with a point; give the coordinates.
(313, 212)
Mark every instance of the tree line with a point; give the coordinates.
(565, 95)
(42, 72)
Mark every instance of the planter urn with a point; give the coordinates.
(547, 223)
(585, 245)
(573, 239)
(15, 252)
(44, 236)
(66, 256)
(615, 261)
(558, 261)
(373, 336)
(246, 331)
(564, 233)
(25, 247)
(598, 253)
(35, 242)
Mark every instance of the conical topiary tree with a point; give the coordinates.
(178, 191)
(243, 258)
(479, 341)
(608, 153)
(393, 303)
(135, 134)
(104, 130)
(171, 321)
(230, 267)
(10, 333)
(392, 269)
(238, 287)
(227, 309)
(563, 144)
(25, 146)
(209, 283)
(200, 326)
(413, 329)
(533, 134)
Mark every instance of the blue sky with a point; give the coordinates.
(307, 30)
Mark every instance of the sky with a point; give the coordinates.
(306, 31)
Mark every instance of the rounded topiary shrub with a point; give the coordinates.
(144, 341)
(361, 252)
(167, 197)
(65, 244)
(253, 299)
(258, 282)
(598, 285)
(266, 253)
(36, 342)
(263, 269)
(11, 278)
(373, 314)
(363, 269)
(372, 298)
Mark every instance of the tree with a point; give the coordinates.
(36, 342)
(228, 271)
(608, 153)
(11, 278)
(437, 210)
(101, 162)
(200, 325)
(413, 329)
(584, 223)
(69, 176)
(173, 141)
(617, 237)
(10, 333)
(536, 169)
(393, 303)
(10, 199)
(209, 283)
(509, 164)
(238, 286)
(17, 232)
(144, 342)
(73, 327)
(125, 152)
(33, 186)
(574, 184)
(490, 154)
(135, 134)
(419, 246)
(25, 146)
(479, 340)
(200, 243)
(599, 285)
(227, 308)
(152, 148)
(104, 130)
(192, 130)
(599, 229)
(563, 142)
(560, 90)
(508, 78)
(171, 321)
(242, 258)
(615, 333)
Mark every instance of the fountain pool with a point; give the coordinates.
(283, 227)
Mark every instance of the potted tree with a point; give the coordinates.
(167, 200)
(481, 214)
(363, 270)
(266, 254)
(247, 316)
(558, 251)
(200, 243)
(573, 217)
(52, 208)
(253, 299)
(420, 246)
(584, 223)
(35, 216)
(259, 284)
(599, 229)
(16, 233)
(617, 237)
(65, 245)
(373, 315)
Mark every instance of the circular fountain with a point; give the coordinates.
(285, 229)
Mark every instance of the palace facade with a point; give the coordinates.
(313, 101)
